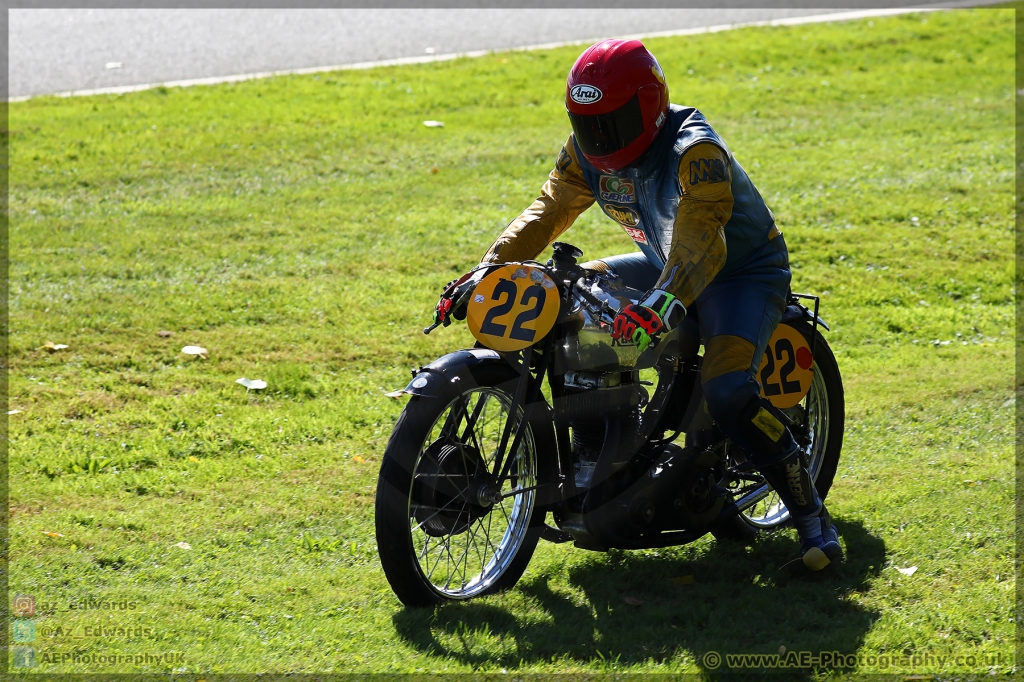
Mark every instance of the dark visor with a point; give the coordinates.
(604, 134)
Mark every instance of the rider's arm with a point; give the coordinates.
(564, 196)
(698, 235)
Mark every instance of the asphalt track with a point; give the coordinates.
(64, 50)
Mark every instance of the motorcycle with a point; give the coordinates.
(549, 414)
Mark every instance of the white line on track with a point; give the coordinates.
(214, 80)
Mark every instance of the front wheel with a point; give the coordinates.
(820, 419)
(445, 531)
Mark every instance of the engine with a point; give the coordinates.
(630, 487)
(589, 401)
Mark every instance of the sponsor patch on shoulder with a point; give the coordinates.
(707, 170)
(618, 189)
(636, 234)
(623, 215)
(564, 161)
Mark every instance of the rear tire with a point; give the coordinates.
(822, 443)
(437, 540)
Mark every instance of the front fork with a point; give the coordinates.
(533, 365)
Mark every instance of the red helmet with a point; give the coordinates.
(617, 100)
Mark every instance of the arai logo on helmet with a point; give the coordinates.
(585, 94)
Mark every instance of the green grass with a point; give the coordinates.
(297, 229)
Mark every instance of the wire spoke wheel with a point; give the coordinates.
(446, 528)
(463, 541)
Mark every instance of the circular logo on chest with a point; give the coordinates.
(585, 94)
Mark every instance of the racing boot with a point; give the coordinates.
(762, 426)
(819, 540)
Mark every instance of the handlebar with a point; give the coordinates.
(563, 269)
(597, 306)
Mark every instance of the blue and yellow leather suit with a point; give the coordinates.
(704, 235)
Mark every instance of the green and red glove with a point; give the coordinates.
(639, 323)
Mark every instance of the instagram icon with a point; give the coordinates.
(24, 606)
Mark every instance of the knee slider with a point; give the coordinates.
(763, 429)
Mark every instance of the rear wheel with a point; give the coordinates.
(823, 411)
(445, 530)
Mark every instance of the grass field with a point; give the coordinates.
(299, 228)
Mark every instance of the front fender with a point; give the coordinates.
(456, 366)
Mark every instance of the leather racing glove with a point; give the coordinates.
(453, 301)
(446, 308)
(640, 323)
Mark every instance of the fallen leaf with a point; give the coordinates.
(434, 124)
(13, 411)
(164, 334)
(183, 545)
(254, 384)
(358, 460)
(910, 570)
(196, 350)
(52, 347)
(52, 534)
(633, 601)
(682, 580)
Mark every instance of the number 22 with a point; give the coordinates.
(771, 388)
(507, 289)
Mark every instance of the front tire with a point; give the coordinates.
(437, 539)
(824, 406)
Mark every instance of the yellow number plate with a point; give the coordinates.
(513, 307)
(786, 368)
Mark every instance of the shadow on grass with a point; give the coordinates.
(740, 601)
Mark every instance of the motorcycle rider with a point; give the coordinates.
(708, 245)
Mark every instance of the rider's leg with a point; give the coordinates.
(737, 317)
(760, 429)
(634, 269)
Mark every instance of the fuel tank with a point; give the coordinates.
(588, 344)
